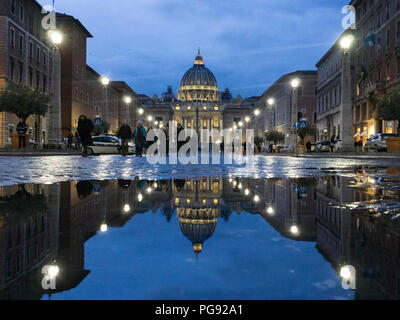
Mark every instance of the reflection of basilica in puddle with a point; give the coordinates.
(49, 224)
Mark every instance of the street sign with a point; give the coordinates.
(97, 121)
(300, 124)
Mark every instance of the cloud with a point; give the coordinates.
(245, 43)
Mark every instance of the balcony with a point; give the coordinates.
(375, 87)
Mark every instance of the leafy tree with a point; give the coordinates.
(275, 136)
(23, 101)
(258, 141)
(389, 108)
(101, 129)
(307, 131)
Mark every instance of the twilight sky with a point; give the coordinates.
(247, 44)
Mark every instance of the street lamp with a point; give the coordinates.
(247, 119)
(54, 113)
(294, 230)
(56, 37)
(346, 42)
(105, 81)
(346, 134)
(127, 208)
(140, 111)
(127, 101)
(271, 102)
(294, 83)
(257, 112)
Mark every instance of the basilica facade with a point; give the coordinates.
(198, 101)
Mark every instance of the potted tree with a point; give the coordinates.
(389, 110)
(274, 136)
(258, 141)
(23, 102)
(307, 132)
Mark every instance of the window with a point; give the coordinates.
(300, 91)
(387, 10)
(44, 84)
(38, 54)
(77, 69)
(30, 77)
(21, 12)
(76, 93)
(30, 49)
(388, 38)
(21, 72)
(12, 69)
(12, 37)
(21, 43)
(44, 58)
(81, 96)
(13, 7)
(37, 80)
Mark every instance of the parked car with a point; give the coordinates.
(323, 146)
(108, 145)
(284, 149)
(378, 142)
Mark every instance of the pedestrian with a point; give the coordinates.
(308, 146)
(22, 129)
(85, 128)
(140, 138)
(333, 142)
(179, 129)
(70, 138)
(77, 141)
(125, 134)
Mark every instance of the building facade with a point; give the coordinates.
(26, 58)
(329, 96)
(377, 51)
(278, 116)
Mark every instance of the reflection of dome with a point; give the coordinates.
(198, 83)
(197, 225)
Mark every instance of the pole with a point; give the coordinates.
(346, 110)
(293, 120)
(54, 114)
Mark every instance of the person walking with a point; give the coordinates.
(77, 141)
(85, 128)
(125, 134)
(70, 138)
(22, 129)
(140, 138)
(333, 142)
(308, 146)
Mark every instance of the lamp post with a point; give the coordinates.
(105, 81)
(346, 108)
(271, 102)
(127, 101)
(54, 114)
(294, 84)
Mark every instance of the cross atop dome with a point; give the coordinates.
(199, 58)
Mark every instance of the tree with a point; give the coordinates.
(389, 108)
(258, 141)
(274, 136)
(307, 131)
(23, 101)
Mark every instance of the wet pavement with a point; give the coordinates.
(224, 235)
(15, 170)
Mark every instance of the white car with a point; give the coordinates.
(108, 145)
(378, 141)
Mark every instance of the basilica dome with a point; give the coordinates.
(197, 225)
(198, 83)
